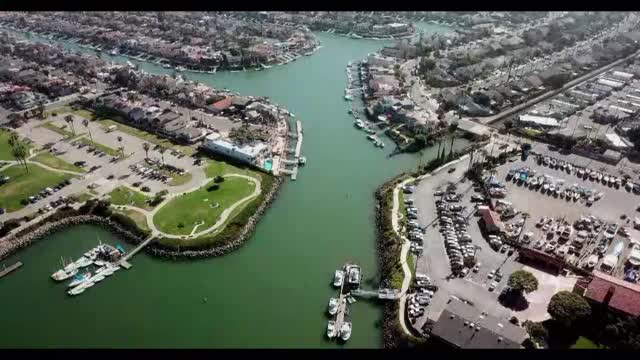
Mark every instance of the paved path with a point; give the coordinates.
(223, 217)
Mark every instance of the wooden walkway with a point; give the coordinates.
(124, 261)
(9, 269)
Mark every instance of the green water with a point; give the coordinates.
(272, 292)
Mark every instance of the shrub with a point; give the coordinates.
(145, 189)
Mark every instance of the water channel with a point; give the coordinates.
(273, 292)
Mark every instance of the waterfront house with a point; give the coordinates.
(248, 154)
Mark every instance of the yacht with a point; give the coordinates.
(348, 97)
(76, 290)
(338, 278)
(97, 278)
(79, 279)
(331, 329)
(83, 262)
(353, 275)
(345, 331)
(99, 263)
(333, 306)
(359, 124)
(63, 274)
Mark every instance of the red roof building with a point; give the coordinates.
(618, 294)
(222, 104)
(492, 220)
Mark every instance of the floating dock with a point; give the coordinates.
(9, 269)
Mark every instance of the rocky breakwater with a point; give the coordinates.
(13, 242)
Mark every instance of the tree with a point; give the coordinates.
(69, 120)
(146, 147)
(19, 150)
(536, 330)
(568, 308)
(523, 281)
(85, 122)
(121, 148)
(162, 150)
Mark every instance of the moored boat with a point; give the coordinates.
(338, 278)
(331, 329)
(345, 331)
(333, 306)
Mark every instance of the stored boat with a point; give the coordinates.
(338, 278)
(333, 306)
(80, 279)
(331, 329)
(345, 331)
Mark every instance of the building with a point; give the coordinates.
(465, 327)
(538, 121)
(491, 220)
(248, 154)
(618, 295)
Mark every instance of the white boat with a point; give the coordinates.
(80, 279)
(63, 274)
(359, 124)
(83, 262)
(76, 290)
(331, 329)
(333, 306)
(99, 263)
(97, 278)
(353, 274)
(338, 278)
(348, 97)
(88, 284)
(345, 331)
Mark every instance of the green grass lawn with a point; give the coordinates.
(125, 196)
(5, 149)
(23, 184)
(137, 217)
(146, 136)
(182, 213)
(214, 168)
(64, 132)
(66, 109)
(81, 197)
(584, 343)
(106, 149)
(55, 162)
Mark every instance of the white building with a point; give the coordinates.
(541, 121)
(247, 153)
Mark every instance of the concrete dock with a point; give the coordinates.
(299, 142)
(9, 269)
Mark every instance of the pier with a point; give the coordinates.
(342, 307)
(124, 261)
(299, 143)
(9, 269)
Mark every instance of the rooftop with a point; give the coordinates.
(620, 295)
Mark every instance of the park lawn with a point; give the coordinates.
(66, 109)
(106, 149)
(184, 212)
(23, 184)
(5, 149)
(124, 196)
(215, 168)
(139, 218)
(64, 132)
(180, 179)
(81, 197)
(146, 136)
(584, 343)
(55, 162)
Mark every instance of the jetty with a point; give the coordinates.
(9, 269)
(382, 294)
(342, 306)
(123, 262)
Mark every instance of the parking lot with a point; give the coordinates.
(434, 262)
(103, 173)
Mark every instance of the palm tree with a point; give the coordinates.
(121, 148)
(146, 147)
(85, 122)
(161, 150)
(69, 120)
(19, 150)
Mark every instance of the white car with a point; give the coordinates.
(491, 274)
(493, 286)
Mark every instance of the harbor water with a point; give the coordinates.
(272, 292)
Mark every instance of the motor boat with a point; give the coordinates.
(353, 275)
(338, 278)
(79, 279)
(97, 278)
(63, 274)
(83, 262)
(333, 306)
(331, 329)
(345, 331)
(76, 290)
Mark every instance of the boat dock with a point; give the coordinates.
(382, 294)
(9, 269)
(342, 306)
(299, 143)
(124, 261)
(295, 152)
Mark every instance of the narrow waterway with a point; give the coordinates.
(273, 292)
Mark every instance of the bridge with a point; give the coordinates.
(124, 261)
(382, 294)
